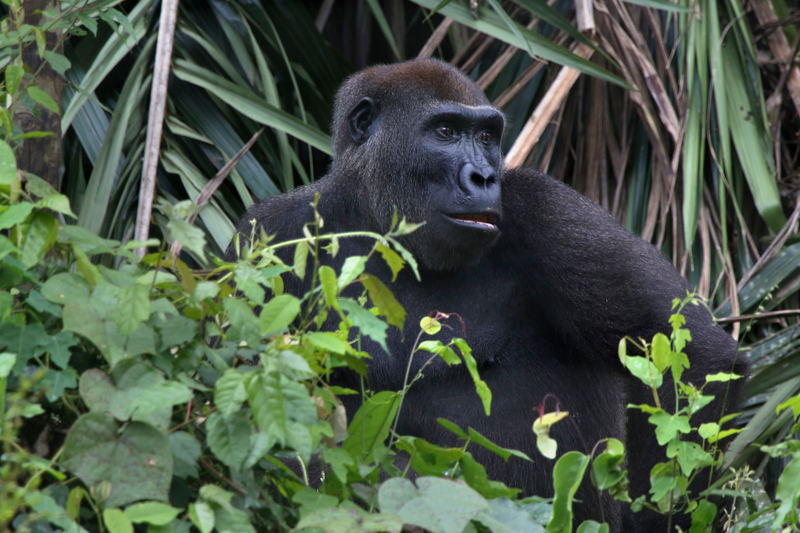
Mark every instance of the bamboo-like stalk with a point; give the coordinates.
(155, 120)
(548, 106)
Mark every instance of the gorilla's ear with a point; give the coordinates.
(362, 120)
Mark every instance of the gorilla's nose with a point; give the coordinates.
(477, 180)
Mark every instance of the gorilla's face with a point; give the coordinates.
(458, 160)
(435, 162)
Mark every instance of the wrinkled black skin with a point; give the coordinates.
(545, 300)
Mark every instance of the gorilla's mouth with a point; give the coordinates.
(483, 220)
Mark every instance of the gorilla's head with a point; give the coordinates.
(422, 138)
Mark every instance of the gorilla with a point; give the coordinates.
(546, 281)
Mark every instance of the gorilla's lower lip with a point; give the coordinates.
(482, 220)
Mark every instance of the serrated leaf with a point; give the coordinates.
(394, 261)
(384, 300)
(367, 323)
(244, 325)
(352, 268)
(229, 392)
(229, 438)
(328, 341)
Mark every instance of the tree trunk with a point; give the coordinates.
(42, 157)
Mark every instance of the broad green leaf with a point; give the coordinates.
(185, 453)
(40, 237)
(660, 351)
(351, 521)
(244, 325)
(384, 300)
(41, 97)
(137, 462)
(278, 314)
(57, 61)
(370, 425)
(367, 323)
(567, 477)
(229, 438)
(202, 516)
(436, 504)
(14, 215)
(590, 526)
(156, 513)
(328, 341)
(787, 492)
(352, 268)
(132, 309)
(229, 392)
(116, 521)
(505, 516)
(668, 426)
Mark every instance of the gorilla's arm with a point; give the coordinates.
(593, 282)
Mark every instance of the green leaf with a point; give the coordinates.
(668, 426)
(56, 202)
(328, 341)
(133, 308)
(185, 453)
(229, 392)
(41, 97)
(480, 386)
(327, 278)
(505, 516)
(136, 462)
(14, 75)
(787, 492)
(350, 521)
(58, 62)
(367, 323)
(567, 477)
(40, 237)
(278, 314)
(352, 268)
(251, 105)
(156, 513)
(505, 453)
(300, 258)
(453, 428)
(722, 376)
(436, 504)
(244, 324)
(229, 438)
(371, 423)
(430, 326)
(85, 320)
(57, 381)
(643, 369)
(7, 361)
(41, 41)
(590, 526)
(394, 261)
(116, 521)
(8, 164)
(660, 351)
(65, 288)
(15, 214)
(202, 516)
(384, 300)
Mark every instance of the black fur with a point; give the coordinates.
(545, 299)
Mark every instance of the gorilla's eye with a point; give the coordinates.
(445, 131)
(485, 136)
